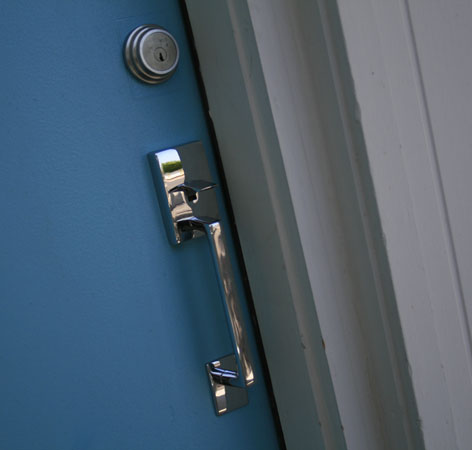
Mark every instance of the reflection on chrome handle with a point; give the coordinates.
(226, 282)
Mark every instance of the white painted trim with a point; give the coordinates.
(260, 198)
(283, 108)
(394, 49)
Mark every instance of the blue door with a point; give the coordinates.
(105, 328)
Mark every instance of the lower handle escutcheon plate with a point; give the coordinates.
(226, 397)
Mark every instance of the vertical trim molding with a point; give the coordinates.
(289, 130)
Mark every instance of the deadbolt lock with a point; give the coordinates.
(151, 54)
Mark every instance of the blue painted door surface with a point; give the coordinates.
(104, 326)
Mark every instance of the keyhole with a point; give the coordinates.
(160, 54)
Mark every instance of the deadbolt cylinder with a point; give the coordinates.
(151, 54)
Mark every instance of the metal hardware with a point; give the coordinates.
(189, 209)
(226, 397)
(151, 54)
(192, 188)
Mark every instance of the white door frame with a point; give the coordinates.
(291, 139)
(411, 69)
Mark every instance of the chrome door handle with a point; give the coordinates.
(227, 285)
(189, 208)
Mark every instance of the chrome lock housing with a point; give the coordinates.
(151, 54)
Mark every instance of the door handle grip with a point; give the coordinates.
(227, 285)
